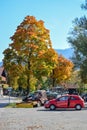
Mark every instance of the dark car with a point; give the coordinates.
(38, 96)
(51, 95)
(84, 96)
(66, 101)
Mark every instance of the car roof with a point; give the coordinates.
(70, 95)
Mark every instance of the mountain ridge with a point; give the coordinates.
(1, 63)
(67, 53)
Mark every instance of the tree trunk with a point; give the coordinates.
(53, 84)
(28, 79)
(28, 84)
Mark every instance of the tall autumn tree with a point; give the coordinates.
(29, 51)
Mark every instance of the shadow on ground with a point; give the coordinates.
(61, 109)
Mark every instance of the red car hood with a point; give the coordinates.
(52, 100)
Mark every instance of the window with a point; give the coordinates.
(72, 98)
(64, 98)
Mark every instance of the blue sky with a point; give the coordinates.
(56, 14)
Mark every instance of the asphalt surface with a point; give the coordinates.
(40, 118)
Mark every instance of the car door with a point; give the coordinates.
(62, 102)
(73, 101)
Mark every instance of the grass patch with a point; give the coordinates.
(11, 105)
(22, 105)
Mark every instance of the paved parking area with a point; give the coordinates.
(42, 119)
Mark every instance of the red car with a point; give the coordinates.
(66, 101)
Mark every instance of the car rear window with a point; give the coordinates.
(74, 98)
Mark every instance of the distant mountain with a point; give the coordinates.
(67, 53)
(1, 63)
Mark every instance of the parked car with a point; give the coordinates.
(66, 101)
(38, 96)
(84, 96)
(51, 95)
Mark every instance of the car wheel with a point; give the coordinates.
(78, 107)
(52, 107)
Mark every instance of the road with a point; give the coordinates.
(41, 119)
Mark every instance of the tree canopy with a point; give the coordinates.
(63, 71)
(30, 54)
(78, 41)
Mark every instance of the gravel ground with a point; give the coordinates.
(42, 119)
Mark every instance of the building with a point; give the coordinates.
(2, 76)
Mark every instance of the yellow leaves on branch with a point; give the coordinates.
(29, 20)
(16, 71)
(63, 70)
(50, 55)
(32, 34)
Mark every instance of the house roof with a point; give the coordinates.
(1, 71)
(72, 86)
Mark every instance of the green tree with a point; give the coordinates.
(29, 51)
(78, 41)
